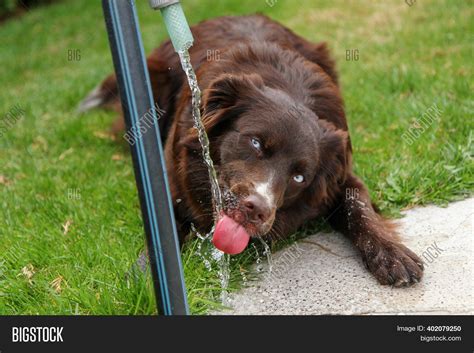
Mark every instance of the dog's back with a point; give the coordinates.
(212, 38)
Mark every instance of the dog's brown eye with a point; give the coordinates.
(298, 178)
(256, 143)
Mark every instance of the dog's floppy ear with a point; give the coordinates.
(227, 96)
(225, 91)
(334, 163)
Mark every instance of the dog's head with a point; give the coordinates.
(271, 151)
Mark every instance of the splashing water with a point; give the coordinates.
(223, 262)
(268, 253)
(258, 260)
(202, 247)
(210, 256)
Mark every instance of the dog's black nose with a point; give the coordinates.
(257, 209)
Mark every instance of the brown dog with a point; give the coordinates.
(279, 139)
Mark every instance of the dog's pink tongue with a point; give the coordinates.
(230, 237)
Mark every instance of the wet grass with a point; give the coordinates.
(70, 225)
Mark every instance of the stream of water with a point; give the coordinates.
(202, 135)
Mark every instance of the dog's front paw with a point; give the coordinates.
(392, 263)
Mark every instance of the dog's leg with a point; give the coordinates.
(389, 261)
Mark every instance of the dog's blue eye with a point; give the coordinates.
(298, 178)
(256, 143)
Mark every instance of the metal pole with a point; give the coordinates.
(147, 154)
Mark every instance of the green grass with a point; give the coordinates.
(55, 167)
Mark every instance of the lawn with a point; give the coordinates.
(70, 225)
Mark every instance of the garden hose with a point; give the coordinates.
(175, 22)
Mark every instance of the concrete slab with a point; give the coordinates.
(323, 274)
